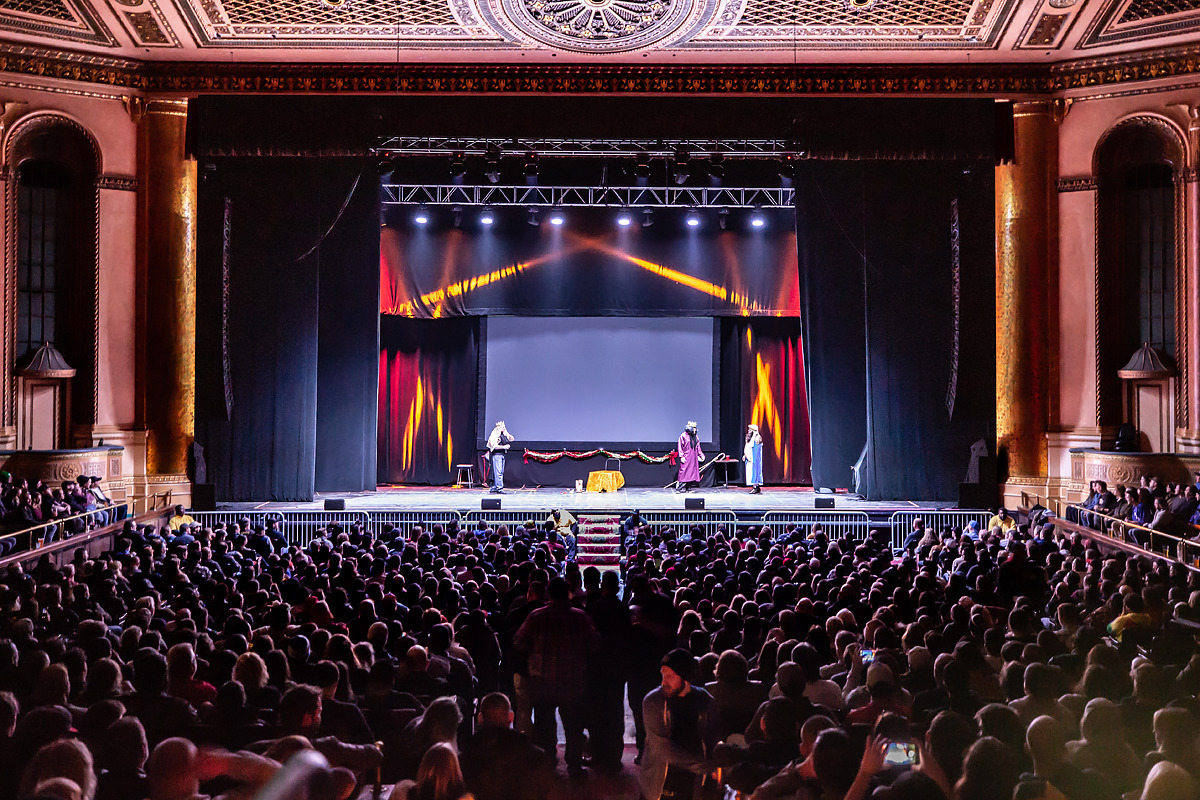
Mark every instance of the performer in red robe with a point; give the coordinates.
(690, 457)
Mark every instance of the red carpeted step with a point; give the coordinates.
(599, 542)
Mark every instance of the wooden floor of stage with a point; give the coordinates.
(734, 498)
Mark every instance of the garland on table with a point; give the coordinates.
(546, 458)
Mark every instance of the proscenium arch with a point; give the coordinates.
(61, 139)
(1136, 141)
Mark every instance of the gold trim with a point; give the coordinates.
(1079, 183)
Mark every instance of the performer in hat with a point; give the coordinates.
(690, 457)
(752, 455)
(497, 447)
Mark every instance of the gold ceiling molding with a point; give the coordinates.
(190, 78)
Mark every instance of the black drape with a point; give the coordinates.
(428, 373)
(897, 287)
(278, 261)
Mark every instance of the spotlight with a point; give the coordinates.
(787, 169)
(641, 170)
(716, 169)
(458, 166)
(624, 218)
(681, 167)
(456, 215)
(530, 170)
(723, 218)
(421, 216)
(693, 219)
(757, 220)
(386, 166)
(533, 217)
(647, 217)
(492, 162)
(556, 217)
(487, 217)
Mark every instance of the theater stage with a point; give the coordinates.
(733, 498)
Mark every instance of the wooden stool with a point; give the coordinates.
(466, 476)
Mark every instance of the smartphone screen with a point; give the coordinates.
(868, 655)
(900, 754)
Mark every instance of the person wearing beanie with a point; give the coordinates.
(680, 734)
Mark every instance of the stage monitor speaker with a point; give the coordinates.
(204, 497)
(824, 502)
(338, 504)
(693, 503)
(489, 504)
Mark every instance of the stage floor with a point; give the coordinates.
(733, 498)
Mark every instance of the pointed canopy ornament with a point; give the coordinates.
(45, 362)
(1145, 364)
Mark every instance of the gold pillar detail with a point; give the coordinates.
(1026, 240)
(167, 280)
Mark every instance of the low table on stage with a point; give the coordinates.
(605, 480)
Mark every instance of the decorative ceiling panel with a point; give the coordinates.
(144, 22)
(72, 20)
(859, 24)
(1130, 21)
(326, 24)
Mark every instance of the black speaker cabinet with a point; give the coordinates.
(693, 503)
(824, 502)
(490, 504)
(335, 504)
(204, 497)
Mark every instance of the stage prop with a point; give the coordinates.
(605, 480)
(899, 335)
(281, 411)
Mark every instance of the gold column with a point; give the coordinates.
(167, 277)
(1026, 239)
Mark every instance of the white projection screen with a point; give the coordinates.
(599, 380)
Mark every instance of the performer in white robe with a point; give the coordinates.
(752, 455)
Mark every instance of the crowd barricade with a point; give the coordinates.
(298, 527)
(681, 520)
(901, 521)
(405, 520)
(538, 516)
(836, 524)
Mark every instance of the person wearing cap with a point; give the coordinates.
(885, 697)
(690, 456)
(679, 732)
(497, 446)
(752, 455)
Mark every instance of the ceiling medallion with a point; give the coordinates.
(598, 26)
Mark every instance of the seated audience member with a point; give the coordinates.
(500, 763)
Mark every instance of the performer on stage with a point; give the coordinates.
(690, 457)
(497, 446)
(752, 455)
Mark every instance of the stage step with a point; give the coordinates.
(599, 542)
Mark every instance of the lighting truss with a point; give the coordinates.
(654, 148)
(575, 196)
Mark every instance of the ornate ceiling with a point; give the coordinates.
(950, 32)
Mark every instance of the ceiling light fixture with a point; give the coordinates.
(556, 217)
(421, 216)
(487, 217)
(693, 219)
(624, 218)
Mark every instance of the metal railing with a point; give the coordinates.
(901, 521)
(836, 524)
(1157, 543)
(298, 527)
(679, 520)
(405, 520)
(34, 537)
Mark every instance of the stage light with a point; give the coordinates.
(624, 218)
(533, 217)
(386, 166)
(530, 170)
(716, 169)
(456, 215)
(757, 220)
(492, 161)
(641, 170)
(458, 166)
(556, 217)
(787, 169)
(681, 167)
(487, 217)
(421, 216)
(647, 217)
(723, 218)
(693, 219)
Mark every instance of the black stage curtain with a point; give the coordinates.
(428, 373)
(897, 288)
(273, 234)
(762, 376)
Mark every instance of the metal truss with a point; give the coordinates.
(575, 196)
(652, 148)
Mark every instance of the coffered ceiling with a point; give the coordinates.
(607, 31)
